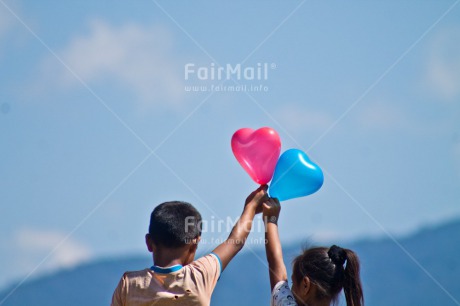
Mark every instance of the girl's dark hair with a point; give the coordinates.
(325, 268)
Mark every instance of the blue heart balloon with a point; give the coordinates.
(295, 176)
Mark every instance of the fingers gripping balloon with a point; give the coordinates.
(257, 152)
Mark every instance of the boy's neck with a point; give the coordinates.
(167, 263)
(166, 257)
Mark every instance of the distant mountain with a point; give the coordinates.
(426, 275)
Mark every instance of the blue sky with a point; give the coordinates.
(96, 126)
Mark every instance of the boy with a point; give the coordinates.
(175, 278)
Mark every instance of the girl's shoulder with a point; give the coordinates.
(282, 295)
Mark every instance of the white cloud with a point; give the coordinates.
(300, 119)
(6, 20)
(38, 251)
(382, 116)
(136, 58)
(456, 155)
(33, 245)
(443, 70)
(6, 25)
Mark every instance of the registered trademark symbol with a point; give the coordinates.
(272, 66)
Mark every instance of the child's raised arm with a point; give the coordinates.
(235, 241)
(276, 267)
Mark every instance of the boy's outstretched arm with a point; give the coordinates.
(235, 241)
(276, 267)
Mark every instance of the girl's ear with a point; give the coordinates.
(305, 286)
(149, 242)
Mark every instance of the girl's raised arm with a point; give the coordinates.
(277, 269)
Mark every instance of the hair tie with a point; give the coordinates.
(337, 255)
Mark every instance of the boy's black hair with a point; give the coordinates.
(174, 224)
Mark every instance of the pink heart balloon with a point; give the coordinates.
(257, 152)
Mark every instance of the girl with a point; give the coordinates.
(318, 274)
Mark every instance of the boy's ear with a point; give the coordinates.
(194, 244)
(149, 242)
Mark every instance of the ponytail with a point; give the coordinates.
(352, 283)
(331, 270)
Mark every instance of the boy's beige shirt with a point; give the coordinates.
(192, 285)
